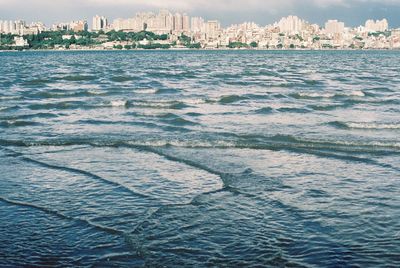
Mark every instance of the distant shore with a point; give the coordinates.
(191, 49)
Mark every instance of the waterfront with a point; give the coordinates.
(200, 158)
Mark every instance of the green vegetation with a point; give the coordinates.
(237, 45)
(327, 46)
(185, 40)
(155, 46)
(299, 37)
(6, 41)
(377, 34)
(65, 39)
(254, 44)
(131, 36)
(194, 46)
(316, 38)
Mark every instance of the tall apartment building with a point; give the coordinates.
(376, 26)
(291, 24)
(99, 23)
(197, 24)
(79, 26)
(12, 27)
(213, 30)
(334, 27)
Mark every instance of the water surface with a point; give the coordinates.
(200, 158)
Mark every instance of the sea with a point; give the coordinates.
(200, 159)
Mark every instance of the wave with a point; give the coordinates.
(121, 79)
(9, 98)
(80, 172)
(119, 103)
(232, 99)
(62, 215)
(59, 94)
(37, 82)
(177, 105)
(167, 91)
(224, 141)
(328, 107)
(194, 114)
(64, 105)
(29, 116)
(74, 105)
(265, 110)
(347, 151)
(176, 120)
(364, 125)
(293, 110)
(9, 108)
(146, 91)
(77, 78)
(320, 95)
(18, 123)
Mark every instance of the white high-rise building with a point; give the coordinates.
(178, 22)
(185, 23)
(291, 24)
(376, 26)
(99, 23)
(12, 27)
(197, 24)
(213, 30)
(334, 27)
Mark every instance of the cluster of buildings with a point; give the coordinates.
(76, 26)
(20, 27)
(290, 32)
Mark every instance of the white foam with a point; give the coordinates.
(119, 103)
(365, 125)
(357, 93)
(194, 101)
(96, 92)
(147, 91)
(316, 95)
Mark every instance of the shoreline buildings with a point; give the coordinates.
(288, 33)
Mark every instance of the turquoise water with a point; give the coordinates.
(200, 159)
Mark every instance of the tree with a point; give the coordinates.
(254, 44)
(195, 46)
(237, 45)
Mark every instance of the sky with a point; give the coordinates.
(263, 12)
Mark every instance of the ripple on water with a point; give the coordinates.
(171, 159)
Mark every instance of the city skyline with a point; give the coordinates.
(352, 13)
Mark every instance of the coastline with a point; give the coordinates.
(191, 49)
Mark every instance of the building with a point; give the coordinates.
(291, 25)
(20, 41)
(78, 26)
(100, 23)
(334, 27)
(178, 22)
(12, 27)
(376, 26)
(213, 30)
(197, 24)
(185, 23)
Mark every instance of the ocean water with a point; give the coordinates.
(200, 159)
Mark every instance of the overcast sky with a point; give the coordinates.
(352, 12)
